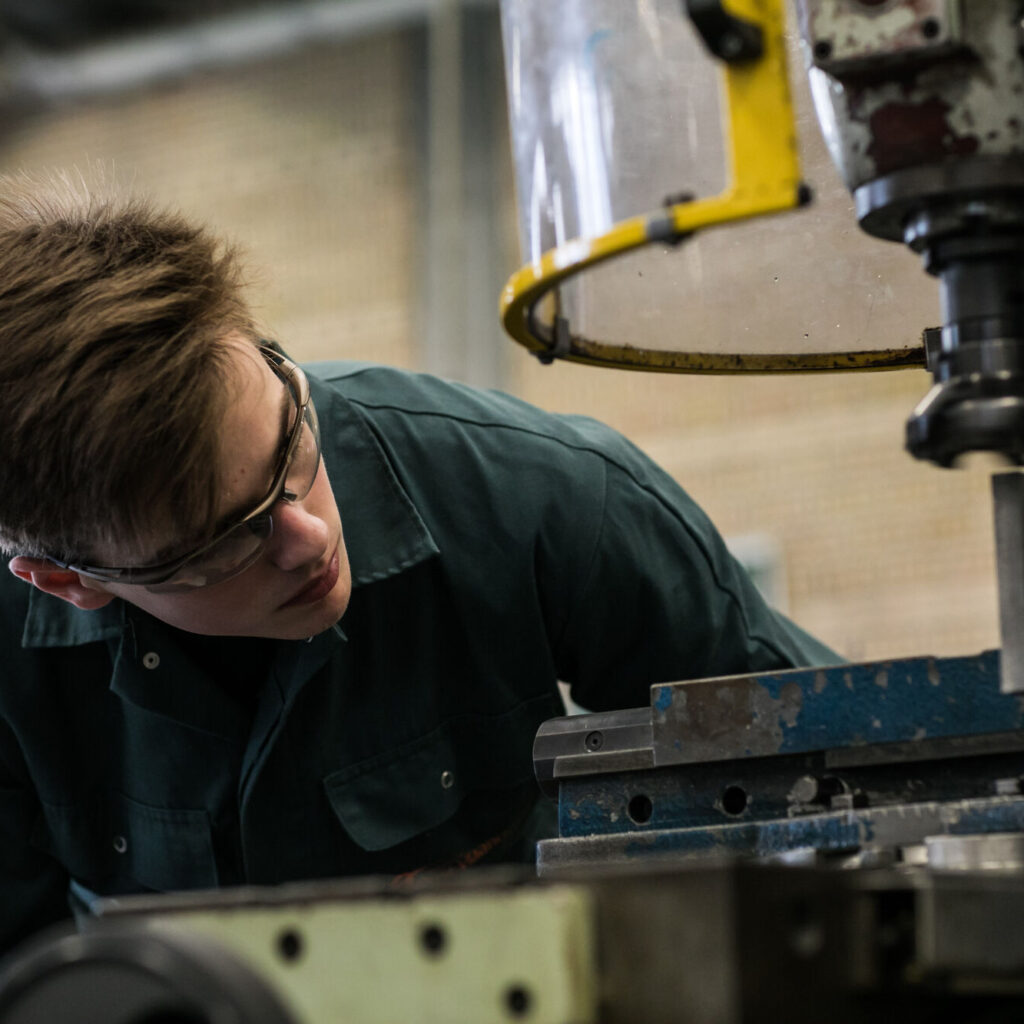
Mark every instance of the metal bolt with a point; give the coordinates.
(151, 659)
(812, 789)
(730, 45)
(447, 779)
(805, 790)
(678, 198)
(594, 741)
(120, 844)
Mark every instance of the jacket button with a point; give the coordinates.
(120, 844)
(447, 780)
(151, 659)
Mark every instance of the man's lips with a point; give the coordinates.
(320, 586)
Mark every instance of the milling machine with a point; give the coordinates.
(907, 772)
(911, 760)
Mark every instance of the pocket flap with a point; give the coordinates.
(398, 794)
(385, 803)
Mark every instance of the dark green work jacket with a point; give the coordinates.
(494, 550)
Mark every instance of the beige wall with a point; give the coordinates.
(311, 163)
(307, 162)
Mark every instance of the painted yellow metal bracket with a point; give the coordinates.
(764, 179)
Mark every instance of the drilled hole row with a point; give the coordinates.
(517, 998)
(734, 803)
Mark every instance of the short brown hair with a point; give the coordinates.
(113, 324)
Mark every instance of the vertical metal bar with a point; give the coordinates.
(488, 184)
(441, 334)
(1008, 498)
(464, 250)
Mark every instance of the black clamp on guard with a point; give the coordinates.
(558, 347)
(734, 40)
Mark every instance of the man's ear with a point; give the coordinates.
(69, 586)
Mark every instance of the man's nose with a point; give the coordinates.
(299, 537)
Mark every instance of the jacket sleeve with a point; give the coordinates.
(33, 886)
(659, 597)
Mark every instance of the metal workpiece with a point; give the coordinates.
(717, 944)
(805, 710)
(999, 851)
(790, 712)
(860, 761)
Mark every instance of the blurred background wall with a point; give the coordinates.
(361, 157)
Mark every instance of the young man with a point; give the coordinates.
(266, 626)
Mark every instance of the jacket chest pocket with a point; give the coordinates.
(117, 845)
(401, 793)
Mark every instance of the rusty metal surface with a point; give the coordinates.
(874, 756)
(907, 84)
(827, 834)
(828, 708)
(630, 357)
(777, 803)
(848, 36)
(854, 715)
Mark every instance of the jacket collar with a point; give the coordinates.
(51, 622)
(384, 532)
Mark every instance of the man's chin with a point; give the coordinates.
(305, 621)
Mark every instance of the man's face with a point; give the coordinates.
(301, 583)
